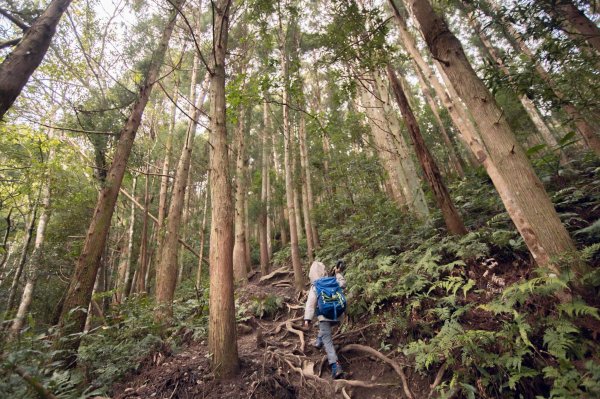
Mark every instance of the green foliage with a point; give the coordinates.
(266, 307)
(500, 330)
(108, 352)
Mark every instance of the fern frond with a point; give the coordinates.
(578, 308)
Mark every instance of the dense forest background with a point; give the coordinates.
(170, 169)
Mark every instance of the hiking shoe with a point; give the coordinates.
(336, 371)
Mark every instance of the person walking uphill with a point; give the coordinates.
(326, 299)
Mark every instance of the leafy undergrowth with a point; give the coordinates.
(473, 309)
(470, 310)
(122, 343)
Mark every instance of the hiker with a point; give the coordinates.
(325, 337)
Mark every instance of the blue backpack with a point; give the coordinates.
(331, 301)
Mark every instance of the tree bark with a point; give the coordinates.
(79, 293)
(505, 161)
(239, 247)
(124, 269)
(221, 328)
(5, 243)
(394, 178)
(413, 192)
(306, 190)
(34, 264)
(14, 287)
(289, 183)
(247, 238)
(455, 159)
(20, 64)
(185, 221)
(577, 20)
(451, 216)
(456, 109)
(140, 282)
(262, 221)
(166, 269)
(586, 131)
(202, 232)
(164, 179)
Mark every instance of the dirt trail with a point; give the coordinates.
(274, 363)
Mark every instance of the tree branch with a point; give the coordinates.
(10, 43)
(14, 19)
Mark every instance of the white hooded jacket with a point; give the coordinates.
(317, 270)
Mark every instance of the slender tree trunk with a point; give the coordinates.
(297, 208)
(5, 242)
(20, 64)
(263, 221)
(239, 247)
(14, 288)
(90, 309)
(395, 179)
(586, 131)
(520, 189)
(534, 115)
(126, 258)
(455, 159)
(186, 218)
(164, 179)
(222, 340)
(270, 222)
(202, 233)
(166, 269)
(456, 109)
(413, 192)
(140, 282)
(80, 289)
(451, 216)
(247, 242)
(305, 174)
(34, 263)
(577, 20)
(289, 183)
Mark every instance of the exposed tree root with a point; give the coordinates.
(278, 272)
(397, 368)
(277, 329)
(438, 379)
(294, 307)
(345, 394)
(300, 334)
(339, 384)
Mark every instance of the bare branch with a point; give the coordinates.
(10, 43)
(14, 19)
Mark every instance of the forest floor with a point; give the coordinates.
(277, 360)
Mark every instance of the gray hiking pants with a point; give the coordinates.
(325, 336)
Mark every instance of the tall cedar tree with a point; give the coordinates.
(505, 161)
(222, 339)
(451, 216)
(72, 318)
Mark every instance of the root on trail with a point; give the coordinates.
(438, 379)
(277, 329)
(345, 394)
(397, 368)
(278, 272)
(300, 334)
